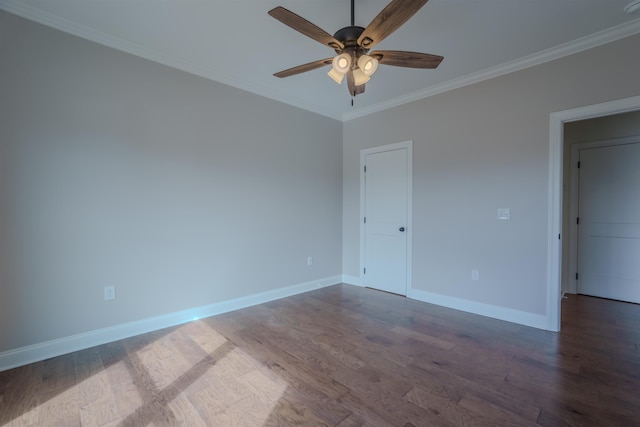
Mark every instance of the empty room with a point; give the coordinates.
(341, 213)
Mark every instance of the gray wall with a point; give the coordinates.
(179, 191)
(480, 148)
(600, 128)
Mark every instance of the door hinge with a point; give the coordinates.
(559, 237)
(578, 220)
(364, 271)
(365, 168)
(365, 219)
(576, 276)
(578, 164)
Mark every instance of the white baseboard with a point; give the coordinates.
(41, 351)
(351, 280)
(502, 313)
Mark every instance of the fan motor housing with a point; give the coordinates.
(349, 36)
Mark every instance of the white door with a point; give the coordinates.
(609, 222)
(386, 200)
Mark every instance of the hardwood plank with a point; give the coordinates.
(288, 412)
(58, 374)
(291, 365)
(484, 411)
(95, 396)
(448, 385)
(20, 404)
(60, 409)
(423, 337)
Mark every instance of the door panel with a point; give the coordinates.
(609, 230)
(386, 201)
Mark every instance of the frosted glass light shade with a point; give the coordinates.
(367, 64)
(341, 63)
(339, 67)
(360, 78)
(335, 75)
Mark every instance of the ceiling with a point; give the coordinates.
(235, 42)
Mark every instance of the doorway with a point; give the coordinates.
(555, 232)
(386, 228)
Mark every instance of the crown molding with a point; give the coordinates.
(588, 42)
(23, 10)
(31, 13)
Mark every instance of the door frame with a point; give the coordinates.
(554, 204)
(574, 199)
(408, 145)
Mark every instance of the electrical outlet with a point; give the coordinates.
(309, 260)
(504, 214)
(475, 274)
(109, 292)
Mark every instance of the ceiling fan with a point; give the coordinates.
(352, 45)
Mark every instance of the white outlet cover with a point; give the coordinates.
(504, 213)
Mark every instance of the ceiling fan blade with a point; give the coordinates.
(304, 68)
(388, 20)
(305, 27)
(400, 58)
(351, 85)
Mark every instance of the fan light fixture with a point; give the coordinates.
(342, 63)
(351, 45)
(339, 67)
(359, 77)
(336, 76)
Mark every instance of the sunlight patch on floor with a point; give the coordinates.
(225, 387)
(190, 376)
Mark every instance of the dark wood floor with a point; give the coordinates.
(346, 356)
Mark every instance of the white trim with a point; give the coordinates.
(34, 14)
(574, 179)
(408, 145)
(41, 351)
(554, 246)
(352, 280)
(554, 224)
(501, 313)
(594, 40)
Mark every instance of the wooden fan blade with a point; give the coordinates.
(304, 68)
(305, 27)
(400, 58)
(388, 20)
(351, 85)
